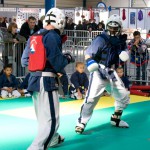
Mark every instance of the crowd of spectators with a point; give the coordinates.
(89, 25)
(139, 56)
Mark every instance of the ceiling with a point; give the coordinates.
(24, 3)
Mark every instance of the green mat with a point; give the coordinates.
(21, 102)
(18, 133)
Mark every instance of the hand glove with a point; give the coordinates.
(92, 65)
(124, 56)
(69, 57)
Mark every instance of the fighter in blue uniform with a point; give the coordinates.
(44, 84)
(101, 57)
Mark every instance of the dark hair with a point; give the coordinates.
(8, 66)
(136, 33)
(100, 23)
(31, 18)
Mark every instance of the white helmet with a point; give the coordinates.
(56, 18)
(114, 21)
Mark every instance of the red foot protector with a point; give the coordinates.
(140, 87)
(140, 93)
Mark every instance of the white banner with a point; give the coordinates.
(8, 9)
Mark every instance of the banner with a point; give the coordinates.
(24, 13)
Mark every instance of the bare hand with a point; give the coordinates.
(79, 94)
(59, 75)
(10, 89)
(15, 41)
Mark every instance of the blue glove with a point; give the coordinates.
(92, 65)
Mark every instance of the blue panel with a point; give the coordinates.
(49, 4)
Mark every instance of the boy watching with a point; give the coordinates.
(8, 83)
(79, 82)
(124, 79)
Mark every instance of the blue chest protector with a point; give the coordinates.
(109, 54)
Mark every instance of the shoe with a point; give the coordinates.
(56, 141)
(79, 129)
(118, 123)
(27, 95)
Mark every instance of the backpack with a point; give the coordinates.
(37, 55)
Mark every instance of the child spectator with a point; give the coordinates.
(23, 87)
(79, 82)
(8, 83)
(124, 79)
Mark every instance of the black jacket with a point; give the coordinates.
(25, 30)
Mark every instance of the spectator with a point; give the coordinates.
(29, 27)
(70, 24)
(3, 23)
(10, 38)
(89, 25)
(79, 26)
(85, 24)
(139, 56)
(79, 82)
(100, 27)
(103, 24)
(8, 83)
(40, 22)
(14, 20)
(124, 79)
(66, 23)
(94, 25)
(90, 29)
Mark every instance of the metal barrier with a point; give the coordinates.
(69, 46)
(11, 53)
(81, 35)
(77, 43)
(131, 70)
(138, 73)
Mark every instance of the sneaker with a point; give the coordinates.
(56, 141)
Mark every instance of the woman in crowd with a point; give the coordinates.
(11, 37)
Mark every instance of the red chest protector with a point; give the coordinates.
(37, 56)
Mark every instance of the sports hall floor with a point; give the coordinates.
(18, 125)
